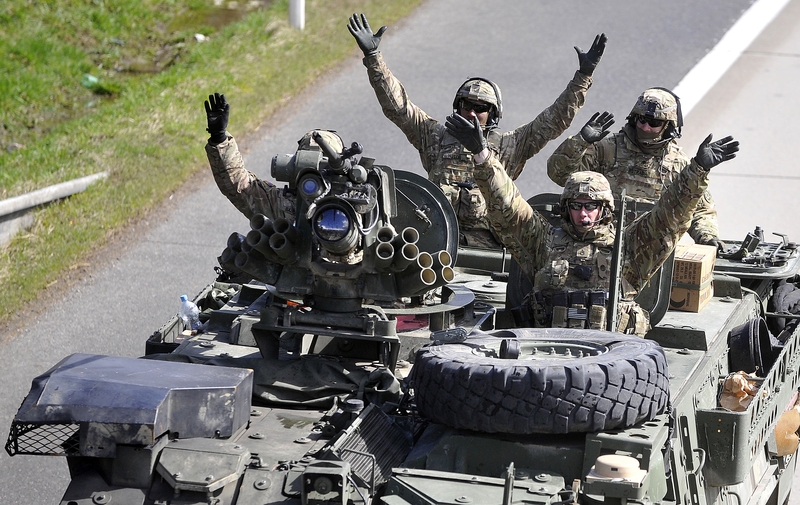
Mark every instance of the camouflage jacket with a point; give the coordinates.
(643, 175)
(243, 188)
(549, 256)
(444, 158)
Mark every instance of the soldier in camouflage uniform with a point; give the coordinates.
(243, 188)
(570, 265)
(643, 158)
(443, 158)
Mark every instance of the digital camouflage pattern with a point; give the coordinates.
(552, 257)
(643, 174)
(243, 188)
(450, 165)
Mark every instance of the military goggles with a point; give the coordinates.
(654, 123)
(589, 206)
(475, 106)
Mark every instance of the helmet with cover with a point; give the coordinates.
(591, 186)
(661, 104)
(307, 142)
(478, 89)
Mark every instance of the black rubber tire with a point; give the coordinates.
(620, 381)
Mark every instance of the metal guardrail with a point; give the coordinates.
(15, 211)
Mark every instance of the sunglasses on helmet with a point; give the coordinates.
(654, 123)
(590, 206)
(474, 106)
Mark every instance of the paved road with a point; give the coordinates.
(529, 54)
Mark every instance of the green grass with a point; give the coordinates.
(146, 129)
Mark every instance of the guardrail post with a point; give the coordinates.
(297, 13)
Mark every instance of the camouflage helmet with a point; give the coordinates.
(589, 185)
(658, 103)
(478, 89)
(307, 142)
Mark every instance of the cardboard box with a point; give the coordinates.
(691, 277)
(690, 300)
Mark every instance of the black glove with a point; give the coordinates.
(469, 133)
(720, 245)
(217, 110)
(711, 154)
(588, 61)
(597, 127)
(367, 41)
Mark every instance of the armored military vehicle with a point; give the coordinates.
(356, 355)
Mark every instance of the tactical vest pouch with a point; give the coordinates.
(603, 266)
(453, 194)
(622, 322)
(577, 313)
(471, 209)
(597, 317)
(559, 317)
(559, 270)
(541, 312)
(597, 311)
(560, 300)
(633, 319)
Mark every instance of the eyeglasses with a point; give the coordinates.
(477, 107)
(589, 206)
(654, 123)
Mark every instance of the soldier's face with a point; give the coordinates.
(470, 109)
(652, 126)
(584, 218)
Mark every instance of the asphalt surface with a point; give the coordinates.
(526, 47)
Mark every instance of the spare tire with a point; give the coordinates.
(527, 381)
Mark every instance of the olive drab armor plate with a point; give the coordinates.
(415, 193)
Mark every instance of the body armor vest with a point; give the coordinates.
(642, 175)
(571, 290)
(452, 171)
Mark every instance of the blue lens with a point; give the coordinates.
(310, 186)
(332, 225)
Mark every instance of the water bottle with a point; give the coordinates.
(190, 314)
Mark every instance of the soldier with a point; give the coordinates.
(243, 188)
(570, 265)
(643, 158)
(443, 158)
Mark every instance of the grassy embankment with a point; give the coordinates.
(142, 121)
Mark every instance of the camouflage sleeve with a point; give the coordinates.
(522, 144)
(573, 155)
(243, 188)
(521, 229)
(652, 237)
(704, 221)
(396, 106)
